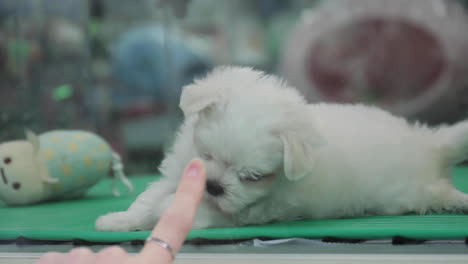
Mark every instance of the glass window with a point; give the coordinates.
(117, 68)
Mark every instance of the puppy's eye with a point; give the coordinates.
(207, 157)
(252, 179)
(254, 176)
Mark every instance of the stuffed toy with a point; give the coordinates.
(140, 66)
(405, 56)
(56, 165)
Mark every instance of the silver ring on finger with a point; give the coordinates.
(162, 244)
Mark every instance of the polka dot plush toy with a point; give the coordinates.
(56, 165)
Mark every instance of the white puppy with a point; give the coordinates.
(271, 157)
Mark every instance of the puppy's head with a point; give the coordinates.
(253, 132)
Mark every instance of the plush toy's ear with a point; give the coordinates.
(301, 143)
(34, 140)
(196, 98)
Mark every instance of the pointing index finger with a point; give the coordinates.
(176, 222)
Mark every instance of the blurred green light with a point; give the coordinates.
(62, 92)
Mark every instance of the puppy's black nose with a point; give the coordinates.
(16, 185)
(214, 188)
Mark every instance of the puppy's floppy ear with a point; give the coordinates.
(301, 143)
(196, 97)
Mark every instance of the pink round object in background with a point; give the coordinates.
(406, 56)
(394, 60)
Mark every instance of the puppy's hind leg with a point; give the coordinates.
(143, 213)
(457, 202)
(446, 198)
(453, 141)
(453, 144)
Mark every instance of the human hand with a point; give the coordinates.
(171, 229)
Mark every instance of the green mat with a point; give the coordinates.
(69, 220)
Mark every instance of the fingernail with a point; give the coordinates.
(194, 169)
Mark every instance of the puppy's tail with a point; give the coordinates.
(454, 142)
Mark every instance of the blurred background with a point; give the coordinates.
(116, 67)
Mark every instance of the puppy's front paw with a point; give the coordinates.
(119, 222)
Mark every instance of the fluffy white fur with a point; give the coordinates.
(280, 159)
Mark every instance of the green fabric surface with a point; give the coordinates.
(74, 219)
